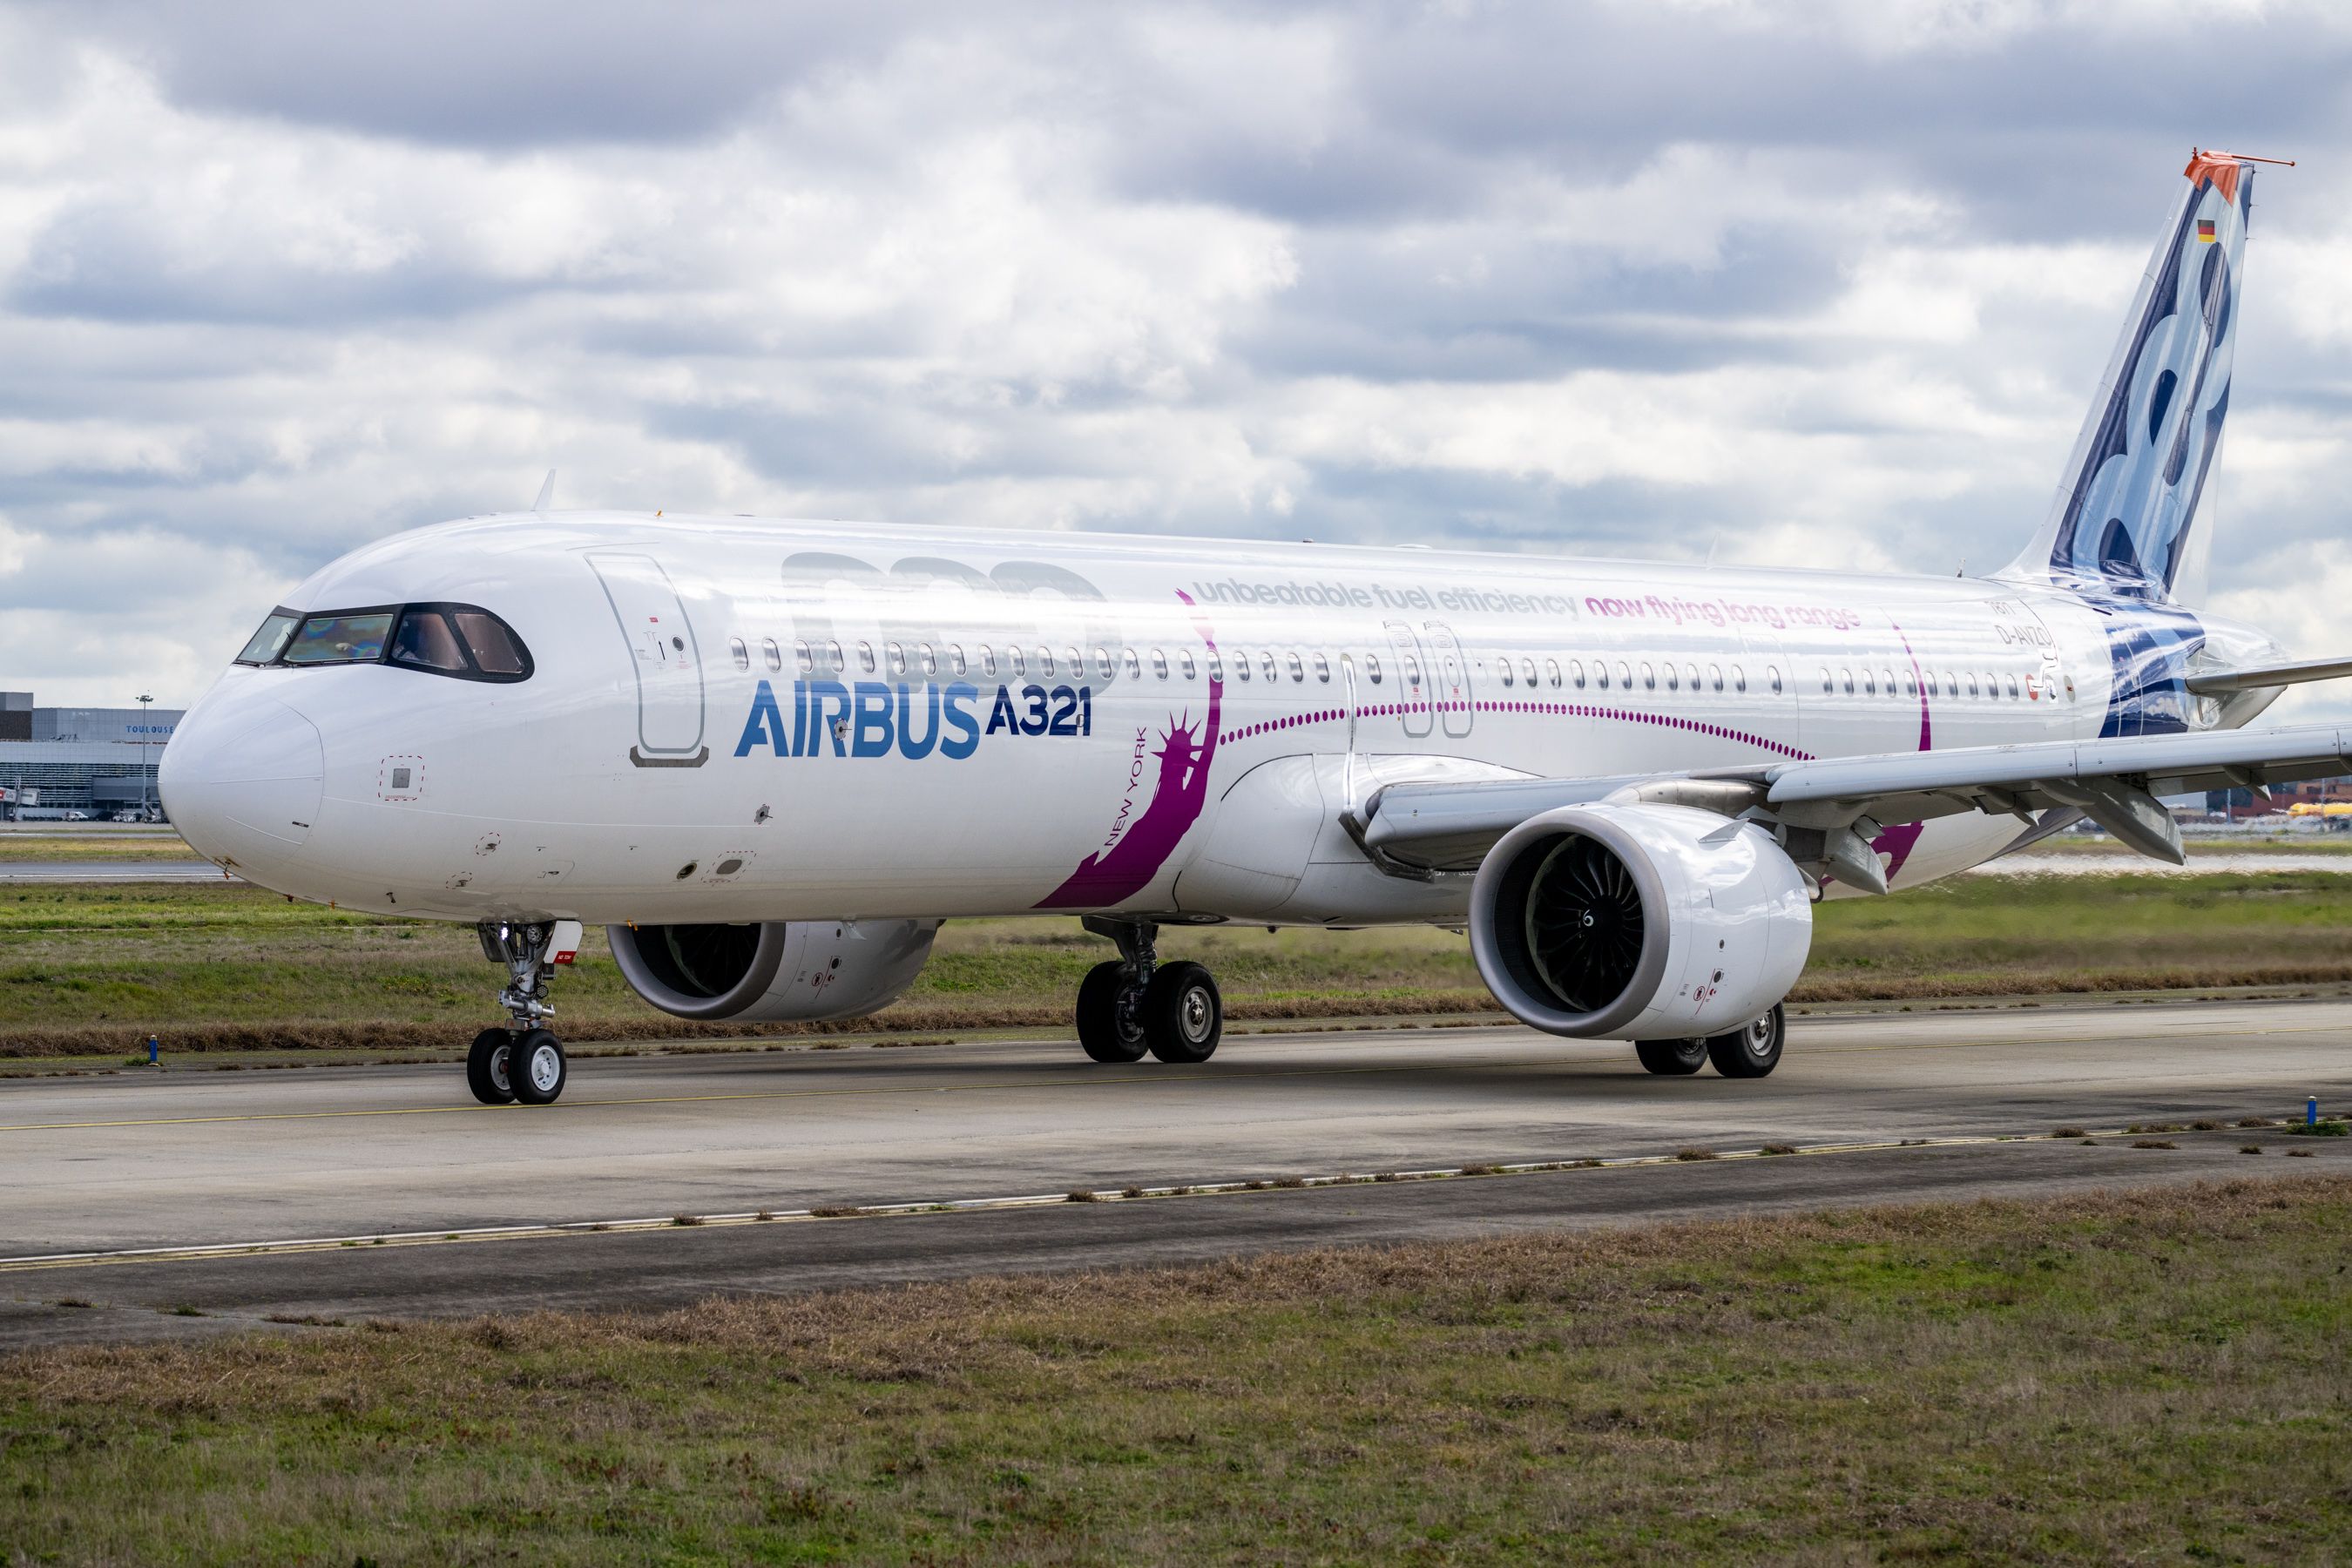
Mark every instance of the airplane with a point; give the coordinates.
(771, 757)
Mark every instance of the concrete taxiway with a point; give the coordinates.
(98, 1170)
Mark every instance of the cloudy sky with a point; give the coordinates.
(1828, 284)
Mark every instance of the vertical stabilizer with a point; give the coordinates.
(2125, 518)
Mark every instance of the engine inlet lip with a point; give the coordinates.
(766, 959)
(1490, 950)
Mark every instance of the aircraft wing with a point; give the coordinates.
(2246, 678)
(1820, 805)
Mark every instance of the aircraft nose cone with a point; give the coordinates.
(242, 776)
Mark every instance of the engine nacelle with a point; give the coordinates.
(798, 970)
(1638, 922)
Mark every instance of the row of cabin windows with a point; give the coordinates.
(831, 659)
(1873, 683)
(1624, 675)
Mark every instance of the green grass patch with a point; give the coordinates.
(2157, 1376)
(94, 969)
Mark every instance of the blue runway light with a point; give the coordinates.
(2311, 1111)
(154, 1052)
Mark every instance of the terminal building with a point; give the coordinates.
(99, 760)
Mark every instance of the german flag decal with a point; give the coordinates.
(2205, 229)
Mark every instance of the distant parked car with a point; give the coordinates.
(76, 816)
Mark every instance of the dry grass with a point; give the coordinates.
(2154, 1376)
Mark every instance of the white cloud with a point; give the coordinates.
(1635, 278)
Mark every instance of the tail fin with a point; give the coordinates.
(2124, 521)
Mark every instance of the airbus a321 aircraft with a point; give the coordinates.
(771, 757)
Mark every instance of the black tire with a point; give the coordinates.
(486, 1068)
(1671, 1059)
(537, 1068)
(1109, 1031)
(1184, 1016)
(1752, 1050)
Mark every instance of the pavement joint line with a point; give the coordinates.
(36, 1262)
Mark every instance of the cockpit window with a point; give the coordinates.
(270, 640)
(460, 640)
(425, 639)
(356, 638)
(493, 646)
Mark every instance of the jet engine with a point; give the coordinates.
(1638, 921)
(797, 969)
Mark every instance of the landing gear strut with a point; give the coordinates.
(1136, 1003)
(523, 1062)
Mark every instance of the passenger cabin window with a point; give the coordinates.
(1576, 673)
(1242, 663)
(1216, 665)
(1046, 662)
(1714, 676)
(955, 658)
(1373, 667)
(1601, 674)
(1412, 671)
(1507, 673)
(1298, 666)
(1322, 669)
(833, 661)
(1184, 662)
(1160, 664)
(1551, 672)
(1016, 663)
(1134, 665)
(1673, 683)
(866, 656)
(1265, 664)
(1624, 676)
(928, 658)
(987, 660)
(738, 653)
(898, 657)
(1649, 678)
(769, 654)
(1102, 663)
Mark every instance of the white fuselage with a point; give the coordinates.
(1030, 721)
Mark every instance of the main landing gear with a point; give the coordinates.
(1135, 1003)
(523, 1062)
(1752, 1050)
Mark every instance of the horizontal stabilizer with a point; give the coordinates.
(2246, 678)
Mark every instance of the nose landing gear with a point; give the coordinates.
(1136, 1003)
(524, 1062)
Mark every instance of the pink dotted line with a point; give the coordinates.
(1544, 709)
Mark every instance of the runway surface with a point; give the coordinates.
(341, 1156)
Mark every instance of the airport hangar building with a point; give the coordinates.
(97, 760)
